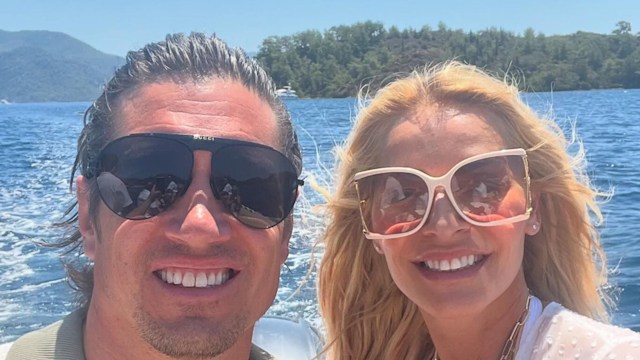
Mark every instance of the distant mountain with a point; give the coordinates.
(40, 66)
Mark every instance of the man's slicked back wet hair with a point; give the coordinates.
(183, 59)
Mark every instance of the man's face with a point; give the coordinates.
(195, 236)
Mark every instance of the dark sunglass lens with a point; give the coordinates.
(258, 185)
(139, 177)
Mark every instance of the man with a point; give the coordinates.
(191, 281)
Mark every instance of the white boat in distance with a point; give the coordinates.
(286, 93)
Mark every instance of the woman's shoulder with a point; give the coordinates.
(560, 333)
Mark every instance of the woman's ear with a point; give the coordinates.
(534, 222)
(377, 247)
(85, 222)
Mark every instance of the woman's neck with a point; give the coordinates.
(482, 335)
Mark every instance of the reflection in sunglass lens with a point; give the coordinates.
(491, 189)
(398, 202)
(141, 177)
(257, 185)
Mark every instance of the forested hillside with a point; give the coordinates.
(39, 66)
(337, 62)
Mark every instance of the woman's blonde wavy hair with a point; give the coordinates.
(366, 315)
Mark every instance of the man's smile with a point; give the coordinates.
(195, 278)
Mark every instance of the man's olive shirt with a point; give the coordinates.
(62, 340)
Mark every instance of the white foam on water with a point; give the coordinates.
(26, 288)
(13, 262)
(10, 308)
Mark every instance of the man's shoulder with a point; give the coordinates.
(60, 340)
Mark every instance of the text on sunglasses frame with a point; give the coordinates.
(445, 182)
(257, 184)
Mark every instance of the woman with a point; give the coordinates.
(462, 229)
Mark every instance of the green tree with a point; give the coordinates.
(622, 27)
(631, 70)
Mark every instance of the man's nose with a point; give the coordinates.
(200, 219)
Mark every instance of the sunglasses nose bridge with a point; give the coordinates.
(202, 165)
(443, 219)
(202, 219)
(440, 189)
(200, 193)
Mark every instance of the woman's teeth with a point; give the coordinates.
(199, 279)
(452, 264)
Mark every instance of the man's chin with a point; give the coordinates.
(193, 337)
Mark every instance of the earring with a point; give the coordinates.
(377, 248)
(535, 227)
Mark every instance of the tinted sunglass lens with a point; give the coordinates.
(257, 185)
(139, 177)
(392, 203)
(491, 189)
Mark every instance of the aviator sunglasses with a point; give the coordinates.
(142, 175)
(485, 190)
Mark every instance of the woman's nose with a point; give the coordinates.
(443, 220)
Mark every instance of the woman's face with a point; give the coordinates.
(486, 261)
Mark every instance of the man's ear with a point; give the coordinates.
(85, 222)
(535, 221)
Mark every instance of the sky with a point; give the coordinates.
(117, 26)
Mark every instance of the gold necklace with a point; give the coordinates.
(511, 346)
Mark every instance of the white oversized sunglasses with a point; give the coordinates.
(485, 190)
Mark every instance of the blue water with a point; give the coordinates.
(37, 147)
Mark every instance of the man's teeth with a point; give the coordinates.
(197, 279)
(453, 264)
